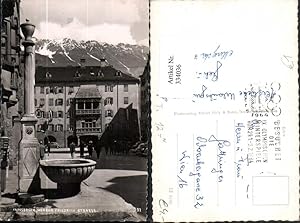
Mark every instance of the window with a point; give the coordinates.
(108, 101)
(42, 102)
(59, 90)
(38, 113)
(71, 90)
(47, 115)
(54, 114)
(39, 127)
(59, 102)
(59, 114)
(88, 123)
(108, 113)
(95, 105)
(51, 127)
(14, 79)
(109, 88)
(69, 128)
(118, 73)
(42, 114)
(125, 100)
(50, 114)
(68, 101)
(48, 75)
(51, 89)
(51, 102)
(42, 90)
(125, 87)
(59, 128)
(88, 105)
(80, 105)
(47, 90)
(35, 102)
(77, 74)
(100, 73)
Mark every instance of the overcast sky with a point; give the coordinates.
(111, 21)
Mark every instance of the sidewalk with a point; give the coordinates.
(66, 150)
(92, 203)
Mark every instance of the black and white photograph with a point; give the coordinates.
(75, 110)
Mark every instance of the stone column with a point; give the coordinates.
(29, 149)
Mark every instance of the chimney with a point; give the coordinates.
(103, 62)
(82, 62)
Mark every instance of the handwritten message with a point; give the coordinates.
(224, 94)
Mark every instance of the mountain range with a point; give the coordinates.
(130, 59)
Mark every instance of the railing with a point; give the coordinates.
(88, 111)
(89, 130)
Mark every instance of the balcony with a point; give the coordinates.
(88, 112)
(88, 130)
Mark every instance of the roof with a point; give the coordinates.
(73, 74)
(88, 91)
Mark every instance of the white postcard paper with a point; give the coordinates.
(224, 94)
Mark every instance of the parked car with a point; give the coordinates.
(137, 148)
(142, 149)
(54, 145)
(144, 152)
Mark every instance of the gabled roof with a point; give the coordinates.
(73, 74)
(88, 91)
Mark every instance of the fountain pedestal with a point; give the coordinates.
(29, 148)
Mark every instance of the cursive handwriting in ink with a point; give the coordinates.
(181, 182)
(221, 156)
(183, 161)
(223, 54)
(160, 131)
(214, 96)
(213, 74)
(200, 144)
(239, 164)
(262, 100)
(162, 101)
(163, 205)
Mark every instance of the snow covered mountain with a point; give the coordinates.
(67, 52)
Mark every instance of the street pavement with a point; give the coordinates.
(116, 190)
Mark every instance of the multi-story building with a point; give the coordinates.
(80, 102)
(11, 73)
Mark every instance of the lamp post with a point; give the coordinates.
(29, 148)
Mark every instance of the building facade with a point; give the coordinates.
(79, 103)
(11, 75)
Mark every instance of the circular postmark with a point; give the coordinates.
(262, 99)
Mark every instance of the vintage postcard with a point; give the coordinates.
(74, 110)
(224, 107)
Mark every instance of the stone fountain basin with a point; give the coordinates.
(68, 171)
